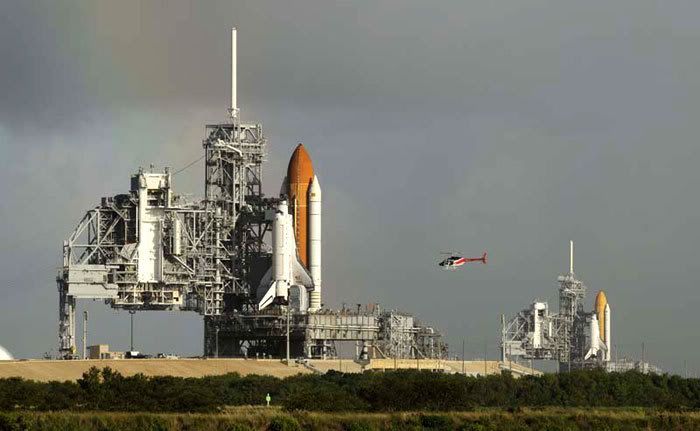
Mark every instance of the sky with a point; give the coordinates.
(510, 126)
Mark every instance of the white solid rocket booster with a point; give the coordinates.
(314, 199)
(608, 340)
(595, 333)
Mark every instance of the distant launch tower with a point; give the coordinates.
(573, 337)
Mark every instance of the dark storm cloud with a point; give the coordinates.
(512, 126)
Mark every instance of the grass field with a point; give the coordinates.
(272, 418)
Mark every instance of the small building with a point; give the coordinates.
(101, 351)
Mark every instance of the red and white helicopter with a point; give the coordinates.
(454, 260)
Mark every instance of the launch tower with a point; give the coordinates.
(249, 264)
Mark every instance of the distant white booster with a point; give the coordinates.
(286, 273)
(608, 339)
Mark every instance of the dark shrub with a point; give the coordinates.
(284, 423)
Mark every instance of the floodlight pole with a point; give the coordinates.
(486, 353)
(289, 313)
(131, 345)
(85, 333)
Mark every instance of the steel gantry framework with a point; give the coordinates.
(151, 250)
(234, 154)
(141, 250)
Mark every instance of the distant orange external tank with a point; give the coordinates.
(300, 174)
(600, 302)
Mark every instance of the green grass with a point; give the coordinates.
(262, 418)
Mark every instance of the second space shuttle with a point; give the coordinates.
(600, 329)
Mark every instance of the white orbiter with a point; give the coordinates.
(286, 271)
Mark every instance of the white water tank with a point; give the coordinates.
(5, 355)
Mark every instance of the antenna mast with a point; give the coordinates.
(234, 71)
(571, 257)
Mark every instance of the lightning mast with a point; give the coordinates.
(233, 111)
(571, 295)
(234, 153)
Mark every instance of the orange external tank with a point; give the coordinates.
(300, 174)
(600, 302)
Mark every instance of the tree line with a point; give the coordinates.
(393, 391)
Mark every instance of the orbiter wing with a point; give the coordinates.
(270, 289)
(301, 276)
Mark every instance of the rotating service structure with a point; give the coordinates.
(249, 264)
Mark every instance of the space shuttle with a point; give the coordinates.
(295, 274)
(600, 331)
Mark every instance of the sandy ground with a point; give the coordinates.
(472, 368)
(42, 370)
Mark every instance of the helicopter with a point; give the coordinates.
(455, 260)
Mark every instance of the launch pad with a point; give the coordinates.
(375, 333)
(249, 264)
(572, 337)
